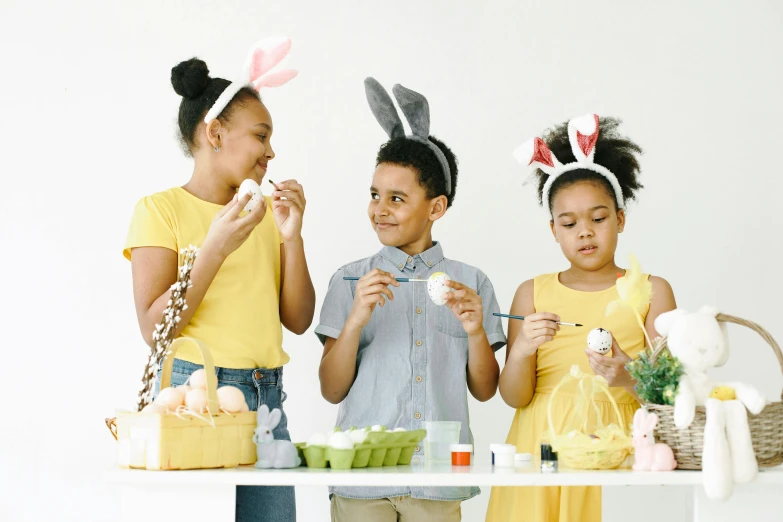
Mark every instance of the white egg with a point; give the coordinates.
(400, 429)
(340, 440)
(377, 427)
(317, 439)
(251, 187)
(436, 287)
(600, 340)
(358, 436)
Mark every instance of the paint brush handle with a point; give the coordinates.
(522, 319)
(399, 279)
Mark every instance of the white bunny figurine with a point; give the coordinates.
(272, 453)
(649, 456)
(700, 342)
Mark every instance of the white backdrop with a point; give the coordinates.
(89, 128)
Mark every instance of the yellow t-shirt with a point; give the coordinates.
(239, 317)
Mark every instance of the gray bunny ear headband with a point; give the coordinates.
(416, 110)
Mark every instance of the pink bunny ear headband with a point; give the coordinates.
(263, 56)
(582, 134)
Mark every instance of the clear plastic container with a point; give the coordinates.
(440, 436)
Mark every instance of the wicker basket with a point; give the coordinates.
(169, 441)
(766, 428)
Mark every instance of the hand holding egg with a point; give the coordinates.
(463, 301)
(600, 340)
(610, 367)
(251, 187)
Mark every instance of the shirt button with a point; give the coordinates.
(418, 343)
(418, 310)
(400, 266)
(416, 461)
(417, 415)
(429, 264)
(418, 378)
(418, 449)
(410, 259)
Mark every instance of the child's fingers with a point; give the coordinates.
(377, 289)
(234, 211)
(542, 316)
(227, 207)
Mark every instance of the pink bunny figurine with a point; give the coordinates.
(649, 455)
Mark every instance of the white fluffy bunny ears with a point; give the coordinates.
(256, 71)
(416, 110)
(583, 135)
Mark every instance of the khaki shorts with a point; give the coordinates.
(394, 509)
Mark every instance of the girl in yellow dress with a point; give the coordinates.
(586, 173)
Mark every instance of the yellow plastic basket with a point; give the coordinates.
(169, 441)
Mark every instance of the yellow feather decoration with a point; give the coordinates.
(635, 291)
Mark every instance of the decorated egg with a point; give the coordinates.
(436, 287)
(600, 340)
(251, 187)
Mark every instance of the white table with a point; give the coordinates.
(209, 495)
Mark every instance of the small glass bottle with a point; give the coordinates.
(548, 459)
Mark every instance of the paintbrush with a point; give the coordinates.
(522, 319)
(400, 279)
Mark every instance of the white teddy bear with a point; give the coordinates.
(700, 342)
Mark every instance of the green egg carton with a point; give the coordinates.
(380, 448)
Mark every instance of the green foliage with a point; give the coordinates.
(656, 378)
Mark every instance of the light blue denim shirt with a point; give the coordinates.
(412, 358)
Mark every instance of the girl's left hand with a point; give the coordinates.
(612, 368)
(289, 212)
(467, 306)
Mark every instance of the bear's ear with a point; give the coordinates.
(665, 321)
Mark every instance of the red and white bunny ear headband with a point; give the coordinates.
(582, 134)
(261, 59)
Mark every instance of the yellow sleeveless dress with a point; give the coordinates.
(554, 360)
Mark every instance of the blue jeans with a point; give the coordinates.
(260, 386)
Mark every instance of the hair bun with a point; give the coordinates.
(190, 78)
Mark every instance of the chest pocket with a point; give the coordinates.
(447, 324)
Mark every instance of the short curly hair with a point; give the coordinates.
(409, 153)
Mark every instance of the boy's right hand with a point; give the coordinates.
(372, 289)
(536, 330)
(228, 230)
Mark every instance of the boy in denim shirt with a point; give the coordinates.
(391, 356)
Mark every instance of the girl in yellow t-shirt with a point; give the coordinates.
(586, 173)
(250, 277)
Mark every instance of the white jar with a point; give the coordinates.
(504, 455)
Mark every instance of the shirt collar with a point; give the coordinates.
(400, 259)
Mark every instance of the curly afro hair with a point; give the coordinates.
(615, 152)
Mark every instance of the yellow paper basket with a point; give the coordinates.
(169, 441)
